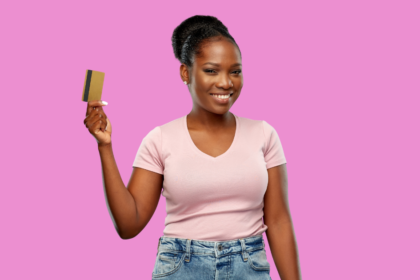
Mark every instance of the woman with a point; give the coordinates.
(220, 173)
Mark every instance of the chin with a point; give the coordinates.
(219, 111)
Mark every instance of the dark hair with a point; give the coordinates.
(189, 37)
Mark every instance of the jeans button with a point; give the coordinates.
(220, 247)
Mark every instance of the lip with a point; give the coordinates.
(220, 101)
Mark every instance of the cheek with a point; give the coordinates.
(241, 84)
(202, 88)
(200, 96)
(204, 84)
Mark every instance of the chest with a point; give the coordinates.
(215, 170)
(213, 144)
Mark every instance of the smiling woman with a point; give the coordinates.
(221, 174)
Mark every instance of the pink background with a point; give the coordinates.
(339, 80)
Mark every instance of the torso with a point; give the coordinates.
(216, 182)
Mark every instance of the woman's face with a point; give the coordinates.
(218, 70)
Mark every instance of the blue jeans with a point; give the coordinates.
(189, 259)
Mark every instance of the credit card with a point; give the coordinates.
(94, 82)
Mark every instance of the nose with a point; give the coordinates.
(224, 82)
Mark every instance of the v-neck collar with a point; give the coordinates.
(201, 153)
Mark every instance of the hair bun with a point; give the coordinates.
(188, 26)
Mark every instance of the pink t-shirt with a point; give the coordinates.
(212, 198)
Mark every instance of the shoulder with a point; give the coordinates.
(172, 128)
(249, 123)
(261, 129)
(165, 133)
(260, 125)
(268, 129)
(172, 125)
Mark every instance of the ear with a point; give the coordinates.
(184, 73)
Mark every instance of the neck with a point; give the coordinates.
(201, 119)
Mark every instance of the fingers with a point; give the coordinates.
(92, 119)
(94, 104)
(95, 124)
(96, 127)
(97, 115)
(96, 118)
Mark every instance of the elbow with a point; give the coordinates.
(127, 234)
(124, 237)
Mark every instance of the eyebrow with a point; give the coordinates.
(216, 64)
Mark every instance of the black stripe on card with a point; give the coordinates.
(87, 87)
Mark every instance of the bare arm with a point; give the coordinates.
(280, 232)
(130, 208)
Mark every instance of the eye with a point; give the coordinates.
(208, 70)
(238, 71)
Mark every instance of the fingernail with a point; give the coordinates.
(104, 103)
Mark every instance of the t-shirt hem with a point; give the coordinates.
(275, 164)
(150, 168)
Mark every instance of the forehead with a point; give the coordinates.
(218, 52)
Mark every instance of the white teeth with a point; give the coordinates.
(223, 96)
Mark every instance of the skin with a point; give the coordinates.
(211, 125)
(212, 128)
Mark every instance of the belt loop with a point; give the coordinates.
(187, 257)
(159, 243)
(244, 252)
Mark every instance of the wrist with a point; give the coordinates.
(104, 146)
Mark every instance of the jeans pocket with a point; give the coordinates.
(258, 260)
(167, 262)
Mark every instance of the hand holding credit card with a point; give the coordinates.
(96, 120)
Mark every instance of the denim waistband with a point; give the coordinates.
(215, 248)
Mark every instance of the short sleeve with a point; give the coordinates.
(273, 149)
(149, 153)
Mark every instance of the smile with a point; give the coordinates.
(221, 98)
